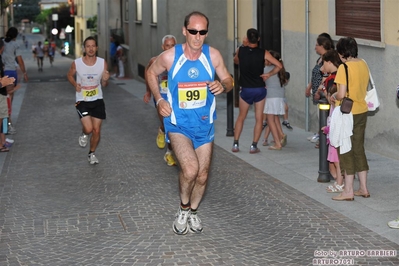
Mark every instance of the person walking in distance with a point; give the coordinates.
(112, 53)
(190, 111)
(11, 52)
(119, 56)
(251, 61)
(91, 75)
(168, 41)
(39, 52)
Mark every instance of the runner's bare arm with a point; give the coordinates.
(71, 77)
(163, 62)
(226, 81)
(105, 77)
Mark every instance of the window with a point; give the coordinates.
(358, 19)
(126, 10)
(139, 9)
(154, 14)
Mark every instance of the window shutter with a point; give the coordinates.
(358, 19)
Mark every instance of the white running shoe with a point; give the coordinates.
(180, 225)
(195, 223)
(92, 158)
(83, 139)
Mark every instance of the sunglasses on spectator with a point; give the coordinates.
(194, 32)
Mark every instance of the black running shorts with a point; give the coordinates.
(95, 109)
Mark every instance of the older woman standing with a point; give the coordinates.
(355, 160)
(324, 43)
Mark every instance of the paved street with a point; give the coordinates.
(56, 209)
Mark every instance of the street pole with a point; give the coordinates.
(324, 171)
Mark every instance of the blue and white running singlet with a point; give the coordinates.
(191, 101)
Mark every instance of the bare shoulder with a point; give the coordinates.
(166, 58)
(216, 56)
(73, 66)
(214, 52)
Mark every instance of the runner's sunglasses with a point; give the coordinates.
(194, 32)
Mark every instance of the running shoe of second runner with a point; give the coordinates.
(168, 158)
(161, 139)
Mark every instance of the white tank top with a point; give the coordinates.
(89, 77)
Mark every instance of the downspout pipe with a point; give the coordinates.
(307, 124)
(230, 95)
(235, 26)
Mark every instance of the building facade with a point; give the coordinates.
(84, 10)
(289, 26)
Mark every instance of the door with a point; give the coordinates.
(269, 24)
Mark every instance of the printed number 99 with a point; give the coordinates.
(192, 95)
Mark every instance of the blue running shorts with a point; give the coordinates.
(253, 95)
(12, 74)
(199, 135)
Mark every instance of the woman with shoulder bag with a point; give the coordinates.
(355, 160)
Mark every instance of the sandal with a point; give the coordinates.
(284, 140)
(335, 188)
(274, 148)
(341, 197)
(4, 149)
(265, 143)
(358, 193)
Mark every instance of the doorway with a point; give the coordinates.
(269, 24)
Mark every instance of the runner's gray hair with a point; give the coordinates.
(168, 37)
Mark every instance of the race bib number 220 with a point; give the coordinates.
(87, 94)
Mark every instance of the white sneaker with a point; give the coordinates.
(92, 158)
(394, 224)
(194, 222)
(311, 137)
(180, 225)
(83, 139)
(9, 140)
(315, 138)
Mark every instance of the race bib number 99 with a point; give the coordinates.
(192, 94)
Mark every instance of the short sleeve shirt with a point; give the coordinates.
(358, 76)
(11, 50)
